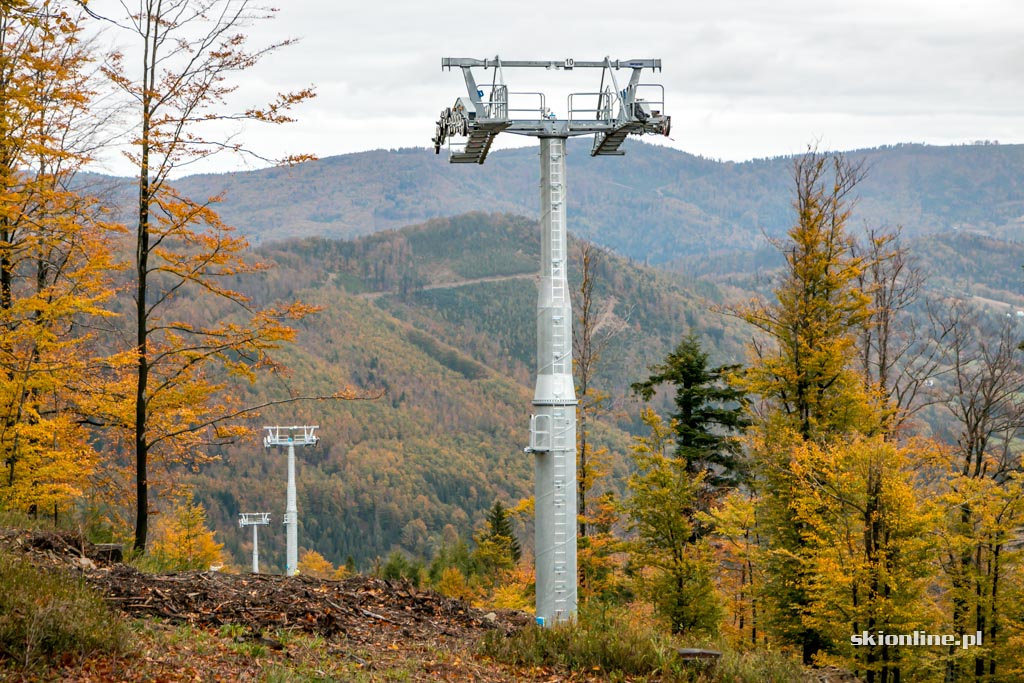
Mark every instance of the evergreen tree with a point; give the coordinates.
(708, 412)
(500, 533)
(452, 554)
(398, 567)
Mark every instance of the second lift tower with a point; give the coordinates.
(611, 113)
(291, 437)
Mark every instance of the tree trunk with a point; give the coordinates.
(142, 322)
(994, 606)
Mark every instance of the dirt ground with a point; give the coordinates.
(203, 627)
(213, 626)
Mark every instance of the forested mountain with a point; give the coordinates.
(655, 204)
(457, 361)
(440, 317)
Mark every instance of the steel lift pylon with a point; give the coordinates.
(469, 128)
(255, 520)
(290, 437)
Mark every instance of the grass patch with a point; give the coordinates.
(602, 639)
(46, 616)
(757, 666)
(22, 520)
(618, 644)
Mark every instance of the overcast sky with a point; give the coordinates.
(743, 78)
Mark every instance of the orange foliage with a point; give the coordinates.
(54, 264)
(174, 399)
(312, 563)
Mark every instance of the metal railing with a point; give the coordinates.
(498, 102)
(602, 112)
(605, 109)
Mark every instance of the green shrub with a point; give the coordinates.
(46, 615)
(619, 642)
(603, 638)
(398, 567)
(686, 597)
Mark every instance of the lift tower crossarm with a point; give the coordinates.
(450, 62)
(471, 124)
(255, 520)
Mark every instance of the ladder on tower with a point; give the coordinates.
(559, 350)
(563, 526)
(557, 195)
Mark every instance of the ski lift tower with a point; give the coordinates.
(611, 114)
(291, 437)
(255, 520)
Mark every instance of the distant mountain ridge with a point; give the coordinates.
(656, 204)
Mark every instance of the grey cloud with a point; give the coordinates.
(745, 75)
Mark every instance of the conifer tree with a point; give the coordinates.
(708, 412)
(500, 533)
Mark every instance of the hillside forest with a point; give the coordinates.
(805, 439)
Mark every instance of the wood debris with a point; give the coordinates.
(360, 609)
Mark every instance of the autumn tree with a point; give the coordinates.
(802, 373)
(846, 544)
(900, 356)
(868, 549)
(312, 563)
(812, 327)
(452, 568)
(675, 569)
(178, 82)
(54, 263)
(739, 552)
(595, 327)
(985, 487)
(183, 540)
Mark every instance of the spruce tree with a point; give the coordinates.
(708, 412)
(500, 531)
